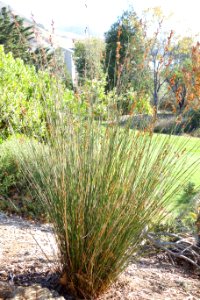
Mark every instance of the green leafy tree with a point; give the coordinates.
(89, 59)
(124, 52)
(128, 71)
(88, 55)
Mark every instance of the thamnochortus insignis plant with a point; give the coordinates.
(102, 186)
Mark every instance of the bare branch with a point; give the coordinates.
(180, 248)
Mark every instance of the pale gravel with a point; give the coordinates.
(147, 279)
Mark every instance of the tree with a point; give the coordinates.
(158, 54)
(169, 58)
(17, 38)
(89, 59)
(194, 76)
(124, 52)
(181, 64)
(160, 58)
(88, 55)
(14, 35)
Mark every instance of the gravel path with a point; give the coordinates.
(22, 262)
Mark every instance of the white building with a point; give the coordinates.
(69, 62)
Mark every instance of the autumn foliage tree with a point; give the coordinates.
(181, 64)
(185, 80)
(192, 78)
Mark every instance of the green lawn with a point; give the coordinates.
(192, 148)
(192, 151)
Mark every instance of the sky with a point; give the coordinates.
(98, 15)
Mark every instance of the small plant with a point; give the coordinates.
(184, 213)
(185, 201)
(190, 189)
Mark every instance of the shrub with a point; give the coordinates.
(9, 172)
(25, 96)
(132, 102)
(93, 95)
(101, 188)
(188, 211)
(195, 133)
(167, 124)
(15, 196)
(100, 103)
(88, 57)
(193, 120)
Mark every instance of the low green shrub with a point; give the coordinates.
(26, 95)
(195, 133)
(132, 102)
(193, 120)
(10, 175)
(189, 123)
(93, 96)
(15, 195)
(186, 209)
(169, 127)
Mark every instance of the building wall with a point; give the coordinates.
(68, 58)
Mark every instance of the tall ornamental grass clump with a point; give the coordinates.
(102, 186)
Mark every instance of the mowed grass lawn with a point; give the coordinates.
(192, 152)
(192, 149)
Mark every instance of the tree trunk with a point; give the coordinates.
(155, 100)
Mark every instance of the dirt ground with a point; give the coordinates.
(22, 262)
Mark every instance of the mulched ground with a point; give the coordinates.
(28, 256)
